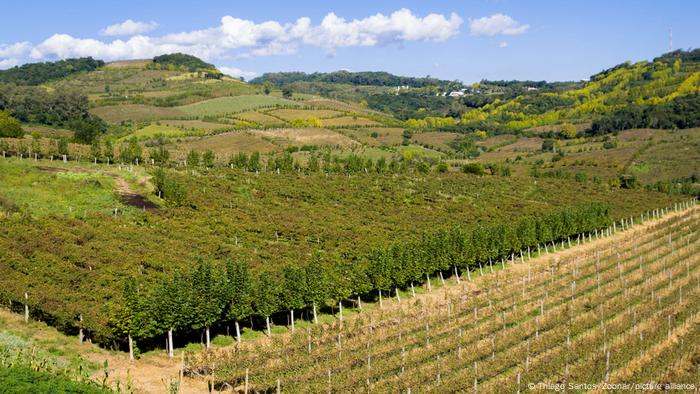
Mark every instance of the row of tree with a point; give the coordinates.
(213, 294)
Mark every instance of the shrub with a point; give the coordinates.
(473, 168)
(9, 126)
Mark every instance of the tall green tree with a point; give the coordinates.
(239, 293)
(267, 299)
(206, 298)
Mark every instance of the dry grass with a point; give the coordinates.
(291, 114)
(436, 139)
(196, 124)
(259, 118)
(348, 121)
(223, 145)
(310, 136)
(557, 127)
(135, 112)
(390, 136)
(139, 63)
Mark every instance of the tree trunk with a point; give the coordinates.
(131, 348)
(359, 303)
(430, 288)
(413, 290)
(269, 332)
(208, 338)
(381, 305)
(398, 298)
(238, 332)
(170, 343)
(340, 308)
(315, 315)
(442, 279)
(456, 274)
(291, 315)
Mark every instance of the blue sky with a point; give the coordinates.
(465, 40)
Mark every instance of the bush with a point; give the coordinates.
(9, 126)
(474, 168)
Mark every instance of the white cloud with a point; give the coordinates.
(503, 44)
(10, 54)
(497, 24)
(8, 63)
(237, 72)
(129, 28)
(235, 37)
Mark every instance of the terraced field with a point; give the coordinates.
(615, 310)
(226, 105)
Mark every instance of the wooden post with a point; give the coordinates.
(291, 315)
(26, 307)
(80, 330)
(245, 389)
(170, 343)
(131, 348)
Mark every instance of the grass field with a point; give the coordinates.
(155, 131)
(225, 105)
(601, 312)
(62, 194)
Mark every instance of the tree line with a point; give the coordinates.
(218, 293)
(61, 108)
(680, 113)
(38, 73)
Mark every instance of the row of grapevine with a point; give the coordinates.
(566, 321)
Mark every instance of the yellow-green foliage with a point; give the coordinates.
(647, 83)
(309, 121)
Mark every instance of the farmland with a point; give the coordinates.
(613, 311)
(225, 105)
(332, 232)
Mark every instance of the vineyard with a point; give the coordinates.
(616, 309)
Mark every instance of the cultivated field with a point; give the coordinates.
(136, 113)
(226, 105)
(616, 310)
